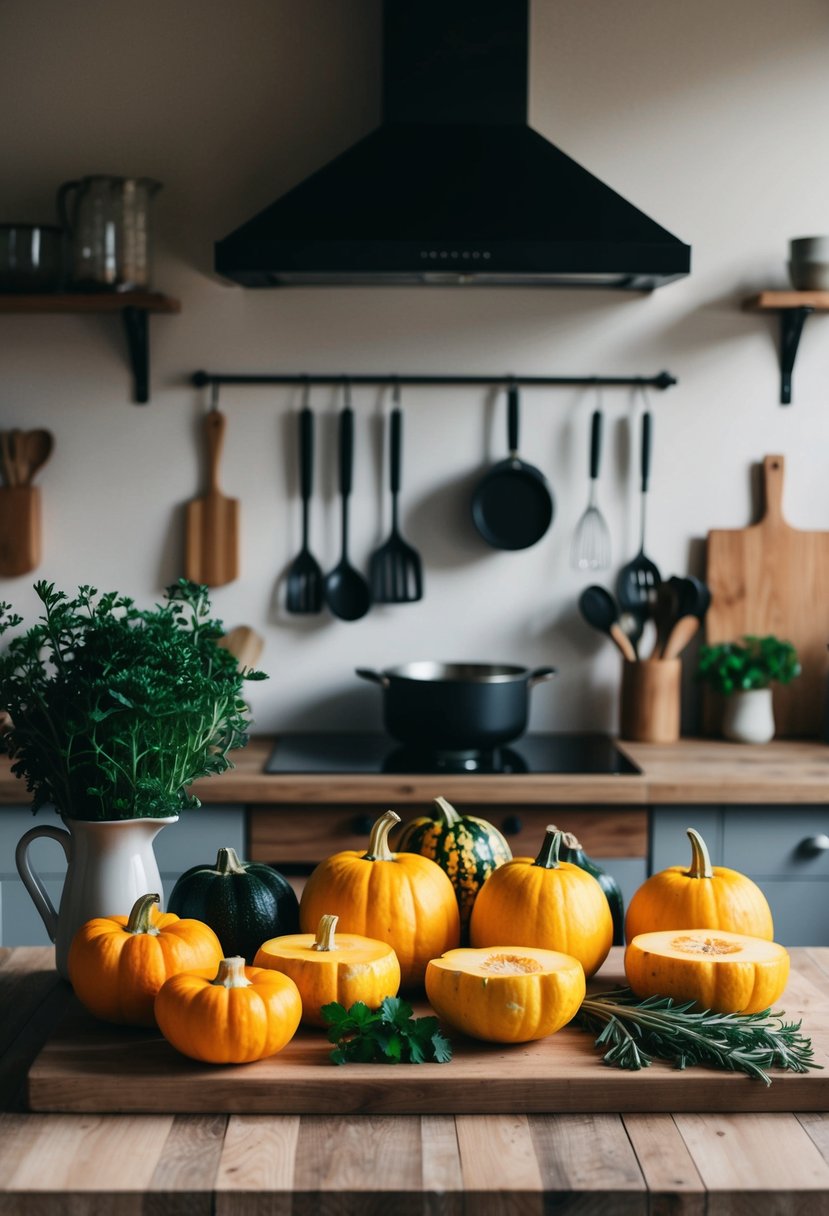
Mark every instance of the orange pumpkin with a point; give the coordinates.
(700, 897)
(402, 899)
(118, 963)
(719, 970)
(243, 1014)
(547, 903)
(326, 967)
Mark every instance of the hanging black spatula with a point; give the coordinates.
(637, 581)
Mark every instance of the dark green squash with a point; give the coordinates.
(243, 902)
(572, 851)
(465, 847)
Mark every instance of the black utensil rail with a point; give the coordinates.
(201, 379)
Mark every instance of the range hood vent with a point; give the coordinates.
(453, 187)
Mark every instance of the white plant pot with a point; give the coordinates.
(748, 717)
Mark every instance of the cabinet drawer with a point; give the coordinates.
(305, 835)
(777, 842)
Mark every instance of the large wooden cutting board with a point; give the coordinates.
(89, 1067)
(773, 578)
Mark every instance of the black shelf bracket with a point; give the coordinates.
(136, 327)
(791, 328)
(661, 380)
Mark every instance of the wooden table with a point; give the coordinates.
(252, 1165)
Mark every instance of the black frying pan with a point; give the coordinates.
(512, 506)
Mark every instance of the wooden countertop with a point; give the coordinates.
(441, 1165)
(691, 771)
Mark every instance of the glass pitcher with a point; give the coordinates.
(107, 220)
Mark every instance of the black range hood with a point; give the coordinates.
(453, 187)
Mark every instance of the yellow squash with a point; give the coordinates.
(508, 995)
(243, 1014)
(699, 897)
(719, 970)
(402, 899)
(118, 963)
(547, 903)
(325, 968)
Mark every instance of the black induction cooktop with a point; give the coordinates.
(334, 752)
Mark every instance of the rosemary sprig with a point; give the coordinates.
(634, 1032)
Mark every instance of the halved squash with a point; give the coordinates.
(505, 994)
(719, 970)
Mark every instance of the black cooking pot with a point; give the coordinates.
(455, 706)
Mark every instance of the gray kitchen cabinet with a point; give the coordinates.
(196, 838)
(777, 846)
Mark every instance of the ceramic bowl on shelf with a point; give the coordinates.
(30, 257)
(809, 263)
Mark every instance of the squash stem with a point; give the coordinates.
(231, 973)
(548, 857)
(448, 813)
(700, 857)
(378, 841)
(325, 933)
(139, 917)
(227, 862)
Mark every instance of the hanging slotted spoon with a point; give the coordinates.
(591, 540)
(395, 570)
(637, 581)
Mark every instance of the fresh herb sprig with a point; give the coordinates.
(388, 1035)
(634, 1032)
(114, 710)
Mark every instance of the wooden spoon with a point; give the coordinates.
(37, 448)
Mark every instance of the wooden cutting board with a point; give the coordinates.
(773, 578)
(87, 1066)
(212, 521)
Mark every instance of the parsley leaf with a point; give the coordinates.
(388, 1035)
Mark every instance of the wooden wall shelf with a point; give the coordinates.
(134, 307)
(794, 307)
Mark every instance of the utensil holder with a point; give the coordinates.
(20, 530)
(651, 701)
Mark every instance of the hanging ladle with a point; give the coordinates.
(347, 593)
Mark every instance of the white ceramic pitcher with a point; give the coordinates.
(110, 864)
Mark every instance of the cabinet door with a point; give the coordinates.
(775, 846)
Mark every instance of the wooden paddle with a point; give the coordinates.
(245, 644)
(212, 522)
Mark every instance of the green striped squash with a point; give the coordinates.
(465, 847)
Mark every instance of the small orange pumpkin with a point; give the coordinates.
(509, 994)
(118, 963)
(719, 970)
(325, 968)
(243, 1014)
(402, 899)
(547, 903)
(700, 897)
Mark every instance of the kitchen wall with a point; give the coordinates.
(710, 117)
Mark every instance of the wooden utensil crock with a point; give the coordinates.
(651, 700)
(20, 530)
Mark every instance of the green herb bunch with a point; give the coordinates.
(114, 710)
(755, 663)
(633, 1032)
(388, 1035)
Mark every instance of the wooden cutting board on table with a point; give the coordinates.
(212, 522)
(771, 578)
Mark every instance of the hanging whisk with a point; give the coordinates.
(591, 540)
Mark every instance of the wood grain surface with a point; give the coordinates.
(771, 578)
(86, 1066)
(706, 1163)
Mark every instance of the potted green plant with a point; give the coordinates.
(743, 673)
(112, 712)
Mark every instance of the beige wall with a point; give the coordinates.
(711, 117)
